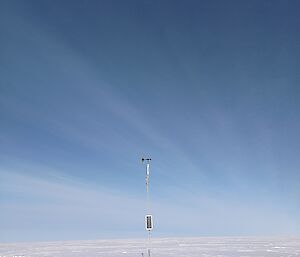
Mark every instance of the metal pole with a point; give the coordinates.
(148, 216)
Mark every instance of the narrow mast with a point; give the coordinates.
(148, 217)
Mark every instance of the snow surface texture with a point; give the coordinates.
(162, 247)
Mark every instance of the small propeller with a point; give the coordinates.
(146, 159)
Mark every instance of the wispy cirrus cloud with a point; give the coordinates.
(57, 202)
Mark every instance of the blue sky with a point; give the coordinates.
(208, 89)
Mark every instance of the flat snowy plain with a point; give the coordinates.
(161, 247)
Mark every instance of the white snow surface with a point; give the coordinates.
(160, 247)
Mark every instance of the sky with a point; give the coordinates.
(208, 89)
